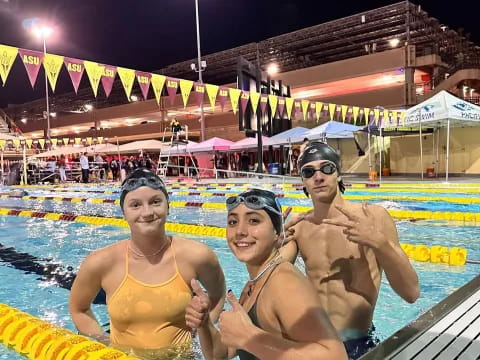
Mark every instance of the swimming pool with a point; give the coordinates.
(60, 246)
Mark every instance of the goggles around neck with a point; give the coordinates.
(327, 168)
(134, 183)
(253, 202)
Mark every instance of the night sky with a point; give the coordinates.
(150, 34)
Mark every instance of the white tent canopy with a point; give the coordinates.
(181, 149)
(442, 110)
(329, 130)
(249, 143)
(152, 145)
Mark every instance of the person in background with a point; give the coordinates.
(304, 144)
(61, 168)
(114, 167)
(85, 167)
(146, 278)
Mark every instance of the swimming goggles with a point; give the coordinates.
(134, 183)
(327, 168)
(253, 202)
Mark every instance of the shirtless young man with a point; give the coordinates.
(346, 246)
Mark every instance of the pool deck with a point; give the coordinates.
(450, 330)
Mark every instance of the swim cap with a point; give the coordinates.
(141, 177)
(317, 150)
(260, 199)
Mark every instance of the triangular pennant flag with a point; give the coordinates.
(273, 101)
(386, 118)
(376, 113)
(172, 86)
(344, 112)
(298, 108)
(185, 89)
(281, 106)
(199, 90)
(355, 111)
(402, 118)
(222, 96)
(52, 65)
(127, 76)
(7, 57)
(2, 144)
(289, 106)
(77, 141)
(331, 110)
(100, 140)
(108, 77)
(263, 103)
(244, 100)
(32, 61)
(212, 91)
(305, 106)
(89, 140)
(94, 73)
(254, 100)
(366, 114)
(16, 143)
(42, 143)
(158, 81)
(29, 143)
(75, 70)
(311, 110)
(54, 142)
(318, 109)
(66, 141)
(143, 79)
(234, 96)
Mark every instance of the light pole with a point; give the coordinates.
(43, 32)
(201, 66)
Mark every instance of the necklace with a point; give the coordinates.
(251, 283)
(136, 252)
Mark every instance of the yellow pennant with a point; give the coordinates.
(157, 82)
(89, 140)
(100, 139)
(376, 115)
(254, 99)
(127, 77)
(7, 58)
(52, 65)
(305, 105)
(16, 143)
(66, 141)
(366, 113)
(29, 143)
(402, 118)
(212, 92)
(318, 109)
(54, 142)
(386, 119)
(331, 110)
(234, 96)
(78, 141)
(273, 100)
(344, 112)
(94, 72)
(355, 111)
(2, 144)
(42, 143)
(185, 88)
(289, 106)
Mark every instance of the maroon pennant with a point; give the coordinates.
(108, 78)
(298, 109)
(281, 106)
(199, 90)
(263, 102)
(144, 79)
(32, 61)
(222, 96)
(172, 86)
(311, 110)
(244, 97)
(75, 69)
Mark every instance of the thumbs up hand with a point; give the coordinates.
(235, 325)
(198, 310)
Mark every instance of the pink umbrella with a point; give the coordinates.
(249, 143)
(212, 144)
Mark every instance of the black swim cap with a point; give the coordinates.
(320, 151)
(141, 177)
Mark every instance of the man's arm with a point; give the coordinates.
(390, 256)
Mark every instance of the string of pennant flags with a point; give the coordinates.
(106, 74)
(49, 143)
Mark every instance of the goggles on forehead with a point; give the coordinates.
(134, 183)
(327, 168)
(253, 202)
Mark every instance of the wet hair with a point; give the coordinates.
(141, 177)
(317, 150)
(270, 200)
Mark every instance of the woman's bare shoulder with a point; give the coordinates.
(105, 257)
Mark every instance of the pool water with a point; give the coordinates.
(62, 245)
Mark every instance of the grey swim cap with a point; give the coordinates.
(141, 177)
